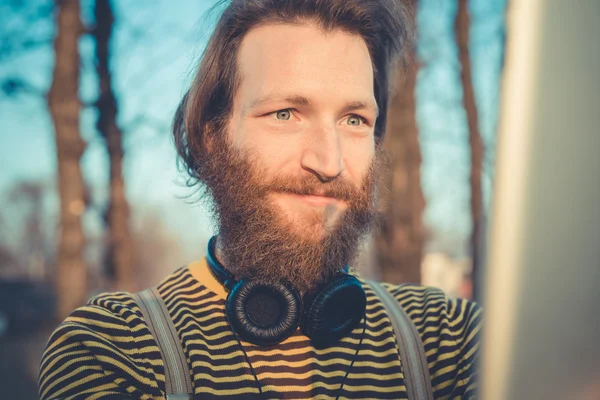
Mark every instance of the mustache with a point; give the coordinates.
(310, 185)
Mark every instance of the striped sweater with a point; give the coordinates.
(104, 350)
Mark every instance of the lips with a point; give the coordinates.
(314, 200)
(317, 201)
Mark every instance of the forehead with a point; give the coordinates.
(306, 61)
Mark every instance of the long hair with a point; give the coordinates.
(386, 26)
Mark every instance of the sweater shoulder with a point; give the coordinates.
(450, 331)
(108, 344)
(420, 299)
(434, 313)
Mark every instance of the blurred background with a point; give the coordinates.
(91, 198)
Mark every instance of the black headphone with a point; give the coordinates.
(267, 313)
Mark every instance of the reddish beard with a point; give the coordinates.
(257, 241)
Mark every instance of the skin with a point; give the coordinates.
(305, 105)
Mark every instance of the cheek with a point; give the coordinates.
(358, 158)
(275, 151)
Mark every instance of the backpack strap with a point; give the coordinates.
(178, 384)
(410, 345)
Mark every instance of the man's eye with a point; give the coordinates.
(283, 115)
(354, 120)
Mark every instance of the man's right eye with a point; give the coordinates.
(283, 115)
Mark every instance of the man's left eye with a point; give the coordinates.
(354, 120)
(283, 115)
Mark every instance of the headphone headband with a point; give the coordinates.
(219, 271)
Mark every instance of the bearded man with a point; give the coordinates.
(281, 129)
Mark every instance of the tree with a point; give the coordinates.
(399, 244)
(475, 142)
(64, 105)
(120, 253)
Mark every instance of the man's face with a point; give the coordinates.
(292, 178)
(305, 109)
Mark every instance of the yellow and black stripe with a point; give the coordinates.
(104, 350)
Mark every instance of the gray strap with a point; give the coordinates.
(410, 345)
(178, 383)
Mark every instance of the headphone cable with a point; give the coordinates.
(362, 336)
(259, 385)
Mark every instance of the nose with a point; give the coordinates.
(322, 155)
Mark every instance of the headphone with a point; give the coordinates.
(266, 313)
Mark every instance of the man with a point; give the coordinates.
(282, 127)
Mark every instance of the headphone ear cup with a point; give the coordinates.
(334, 311)
(263, 313)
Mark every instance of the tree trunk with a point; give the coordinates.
(475, 142)
(400, 241)
(120, 253)
(64, 105)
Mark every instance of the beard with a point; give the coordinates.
(258, 241)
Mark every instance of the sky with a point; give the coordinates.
(157, 44)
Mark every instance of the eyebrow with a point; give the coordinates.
(303, 101)
(359, 105)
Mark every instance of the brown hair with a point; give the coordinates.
(384, 25)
